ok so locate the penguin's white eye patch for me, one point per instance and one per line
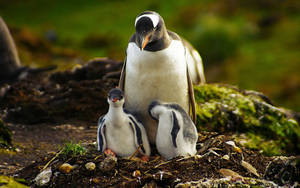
(153, 17)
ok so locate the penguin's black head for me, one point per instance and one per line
(151, 109)
(115, 97)
(150, 27)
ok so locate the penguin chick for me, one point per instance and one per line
(176, 133)
(119, 131)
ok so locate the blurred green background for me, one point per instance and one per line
(254, 44)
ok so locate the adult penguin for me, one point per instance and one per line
(159, 66)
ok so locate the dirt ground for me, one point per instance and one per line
(45, 112)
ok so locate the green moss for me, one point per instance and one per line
(5, 135)
(71, 149)
(226, 109)
(6, 181)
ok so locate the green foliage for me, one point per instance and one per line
(266, 127)
(215, 45)
(7, 182)
(71, 149)
(5, 135)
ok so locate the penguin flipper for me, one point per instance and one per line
(192, 102)
(175, 129)
(101, 134)
(141, 138)
(122, 77)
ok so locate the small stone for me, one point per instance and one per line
(18, 150)
(108, 163)
(44, 177)
(65, 168)
(136, 173)
(90, 166)
(226, 157)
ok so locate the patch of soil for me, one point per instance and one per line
(36, 141)
(136, 173)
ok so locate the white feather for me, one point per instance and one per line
(153, 17)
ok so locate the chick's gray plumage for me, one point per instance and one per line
(119, 130)
(176, 135)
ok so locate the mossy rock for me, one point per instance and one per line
(5, 135)
(258, 124)
(6, 181)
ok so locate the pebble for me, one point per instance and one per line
(90, 166)
(226, 157)
(136, 173)
(65, 168)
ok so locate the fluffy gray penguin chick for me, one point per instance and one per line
(176, 133)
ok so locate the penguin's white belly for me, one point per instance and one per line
(120, 140)
(157, 75)
(164, 143)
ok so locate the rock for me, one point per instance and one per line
(263, 126)
(225, 182)
(65, 168)
(108, 164)
(44, 177)
(90, 166)
(283, 170)
(226, 157)
(136, 173)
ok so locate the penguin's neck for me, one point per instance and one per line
(116, 114)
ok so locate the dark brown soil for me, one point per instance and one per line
(162, 172)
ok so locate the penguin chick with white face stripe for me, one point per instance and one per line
(119, 131)
(159, 65)
(176, 134)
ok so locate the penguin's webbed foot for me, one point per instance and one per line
(145, 158)
(109, 152)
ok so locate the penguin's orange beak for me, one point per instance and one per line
(145, 41)
(114, 100)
